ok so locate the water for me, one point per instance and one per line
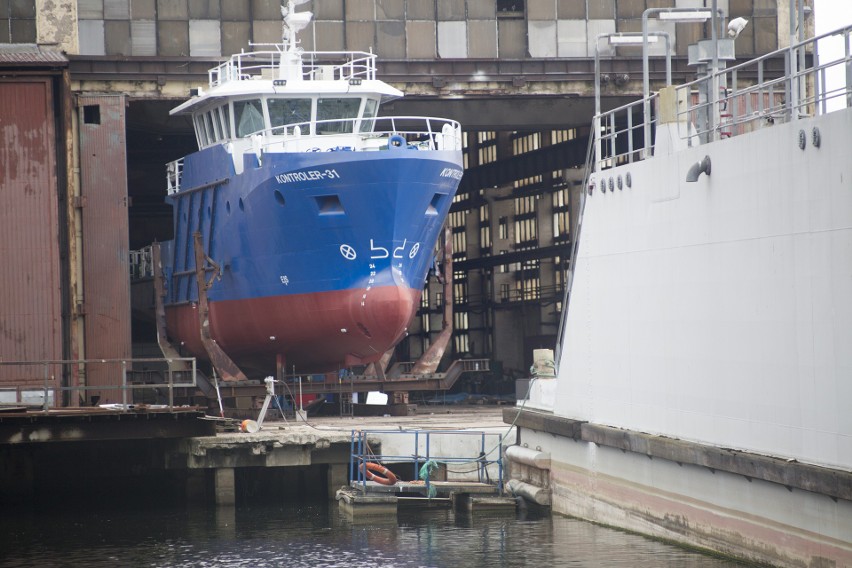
(316, 535)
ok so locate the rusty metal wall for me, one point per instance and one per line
(106, 272)
(30, 277)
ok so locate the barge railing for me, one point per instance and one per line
(751, 96)
(423, 444)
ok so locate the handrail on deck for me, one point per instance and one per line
(750, 97)
(316, 65)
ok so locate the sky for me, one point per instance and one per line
(831, 15)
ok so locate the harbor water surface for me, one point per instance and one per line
(316, 535)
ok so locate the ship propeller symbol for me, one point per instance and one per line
(348, 252)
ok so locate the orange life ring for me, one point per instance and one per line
(385, 476)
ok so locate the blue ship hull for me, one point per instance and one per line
(323, 255)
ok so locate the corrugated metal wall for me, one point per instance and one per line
(106, 273)
(30, 301)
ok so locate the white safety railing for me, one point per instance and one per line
(141, 263)
(414, 132)
(316, 65)
(751, 95)
(174, 173)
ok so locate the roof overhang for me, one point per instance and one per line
(29, 55)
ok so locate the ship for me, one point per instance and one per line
(701, 385)
(305, 224)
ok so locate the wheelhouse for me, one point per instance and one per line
(230, 119)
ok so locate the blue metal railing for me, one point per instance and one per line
(422, 445)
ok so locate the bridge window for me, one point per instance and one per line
(371, 107)
(226, 120)
(249, 117)
(288, 111)
(200, 131)
(339, 112)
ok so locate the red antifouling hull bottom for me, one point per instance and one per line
(314, 332)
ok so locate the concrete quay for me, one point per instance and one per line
(323, 445)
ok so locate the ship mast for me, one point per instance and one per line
(293, 23)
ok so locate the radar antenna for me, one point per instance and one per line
(293, 23)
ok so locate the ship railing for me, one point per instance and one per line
(174, 173)
(476, 455)
(752, 95)
(55, 384)
(414, 132)
(810, 86)
(141, 263)
(619, 135)
(315, 65)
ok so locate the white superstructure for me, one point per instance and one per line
(706, 357)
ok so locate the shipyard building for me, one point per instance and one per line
(85, 90)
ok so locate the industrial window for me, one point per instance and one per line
(458, 219)
(484, 214)
(560, 224)
(510, 8)
(92, 114)
(487, 154)
(561, 198)
(524, 182)
(525, 205)
(503, 228)
(459, 287)
(425, 323)
(18, 22)
(523, 143)
(424, 299)
(504, 292)
(460, 321)
(459, 243)
(487, 140)
(525, 231)
(558, 136)
(529, 288)
(461, 342)
(485, 238)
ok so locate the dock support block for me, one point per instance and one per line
(225, 486)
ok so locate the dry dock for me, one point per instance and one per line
(287, 459)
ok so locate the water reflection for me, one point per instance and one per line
(317, 536)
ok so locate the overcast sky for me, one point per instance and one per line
(832, 14)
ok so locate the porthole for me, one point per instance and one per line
(228, 207)
(279, 197)
(241, 204)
